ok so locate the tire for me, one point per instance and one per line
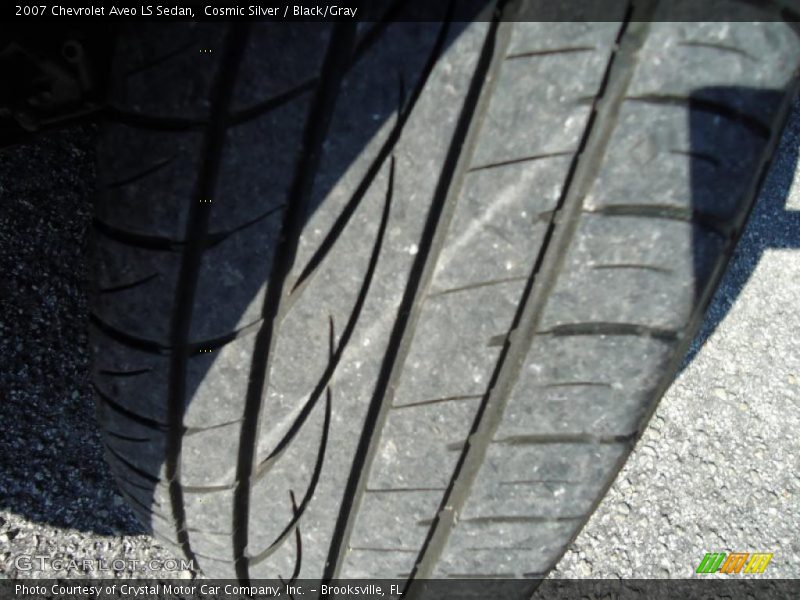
(398, 300)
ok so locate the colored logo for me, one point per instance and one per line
(736, 562)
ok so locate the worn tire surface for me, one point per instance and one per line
(396, 300)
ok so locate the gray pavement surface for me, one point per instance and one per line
(718, 469)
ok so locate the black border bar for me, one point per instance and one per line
(378, 589)
(87, 11)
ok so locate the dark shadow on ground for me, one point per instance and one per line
(770, 225)
(52, 468)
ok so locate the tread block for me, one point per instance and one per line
(230, 284)
(417, 445)
(209, 511)
(497, 228)
(212, 567)
(285, 560)
(403, 506)
(665, 262)
(501, 549)
(201, 468)
(142, 394)
(372, 87)
(146, 179)
(538, 111)
(460, 326)
(540, 480)
(183, 79)
(672, 62)
(157, 499)
(219, 544)
(136, 309)
(661, 156)
(292, 472)
(266, 53)
(533, 37)
(362, 563)
(144, 459)
(217, 383)
(305, 333)
(258, 165)
(611, 407)
(522, 121)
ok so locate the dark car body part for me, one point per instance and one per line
(51, 75)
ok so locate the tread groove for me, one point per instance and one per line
(385, 151)
(402, 490)
(118, 408)
(214, 239)
(298, 562)
(368, 549)
(451, 177)
(498, 341)
(337, 57)
(195, 430)
(556, 51)
(654, 268)
(145, 488)
(596, 133)
(137, 240)
(755, 125)
(141, 174)
(265, 106)
(437, 401)
(137, 343)
(565, 438)
(540, 482)
(524, 159)
(160, 59)
(335, 355)
(312, 485)
(148, 510)
(164, 244)
(205, 489)
(196, 348)
(474, 286)
(561, 384)
(152, 122)
(703, 156)
(500, 519)
(656, 211)
(716, 46)
(126, 438)
(127, 286)
(140, 472)
(607, 328)
(131, 373)
(220, 96)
